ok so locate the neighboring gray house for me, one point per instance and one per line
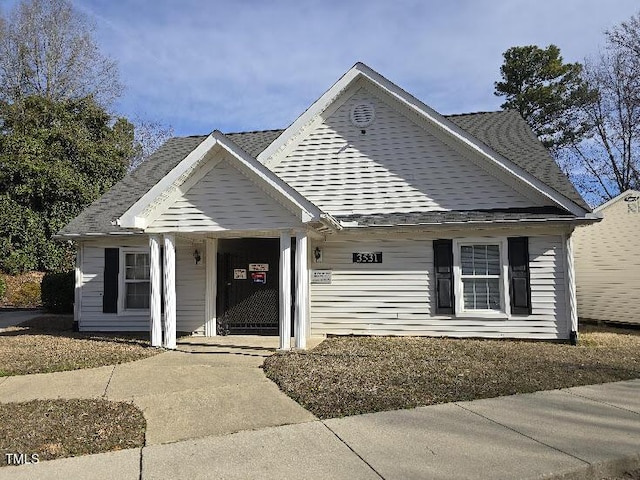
(370, 214)
(608, 262)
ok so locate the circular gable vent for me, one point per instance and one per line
(363, 114)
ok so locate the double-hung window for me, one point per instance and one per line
(480, 269)
(486, 277)
(136, 280)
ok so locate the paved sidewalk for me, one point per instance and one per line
(577, 433)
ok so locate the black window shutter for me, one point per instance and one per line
(443, 262)
(111, 269)
(519, 279)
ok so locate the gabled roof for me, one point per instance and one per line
(99, 217)
(504, 131)
(136, 215)
(502, 137)
(616, 199)
(360, 71)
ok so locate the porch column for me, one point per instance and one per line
(169, 291)
(155, 314)
(285, 291)
(211, 285)
(302, 291)
(77, 292)
(571, 281)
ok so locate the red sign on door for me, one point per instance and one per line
(259, 277)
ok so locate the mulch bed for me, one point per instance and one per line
(65, 428)
(48, 344)
(353, 375)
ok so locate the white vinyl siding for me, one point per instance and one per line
(190, 281)
(396, 166)
(607, 262)
(397, 297)
(224, 199)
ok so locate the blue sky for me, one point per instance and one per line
(250, 65)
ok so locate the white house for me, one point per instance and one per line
(607, 257)
(370, 214)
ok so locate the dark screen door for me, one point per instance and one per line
(248, 276)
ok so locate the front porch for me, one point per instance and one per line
(287, 297)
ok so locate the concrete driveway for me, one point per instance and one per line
(209, 386)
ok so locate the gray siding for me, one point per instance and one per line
(396, 297)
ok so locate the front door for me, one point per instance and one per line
(248, 277)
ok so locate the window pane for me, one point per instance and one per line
(466, 259)
(493, 260)
(136, 266)
(481, 293)
(137, 296)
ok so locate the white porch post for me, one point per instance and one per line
(302, 291)
(77, 293)
(155, 314)
(211, 285)
(169, 291)
(571, 280)
(285, 291)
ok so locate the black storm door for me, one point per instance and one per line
(248, 276)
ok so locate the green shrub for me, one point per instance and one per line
(58, 292)
(3, 288)
(27, 295)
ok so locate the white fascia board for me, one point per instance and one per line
(308, 209)
(132, 217)
(615, 200)
(361, 70)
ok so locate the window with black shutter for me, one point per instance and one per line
(519, 279)
(111, 271)
(443, 263)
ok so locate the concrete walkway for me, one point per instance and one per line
(209, 386)
(577, 433)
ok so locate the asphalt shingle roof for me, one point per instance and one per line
(505, 132)
(463, 216)
(508, 134)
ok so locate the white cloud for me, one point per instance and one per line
(236, 65)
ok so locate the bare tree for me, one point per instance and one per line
(607, 161)
(47, 49)
(149, 136)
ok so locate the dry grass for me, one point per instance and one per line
(48, 344)
(65, 428)
(353, 375)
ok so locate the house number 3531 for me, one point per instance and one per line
(367, 257)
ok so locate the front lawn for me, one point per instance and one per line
(52, 429)
(48, 344)
(353, 375)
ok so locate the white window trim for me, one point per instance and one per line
(122, 284)
(505, 300)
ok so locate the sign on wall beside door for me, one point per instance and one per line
(322, 277)
(239, 274)
(258, 267)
